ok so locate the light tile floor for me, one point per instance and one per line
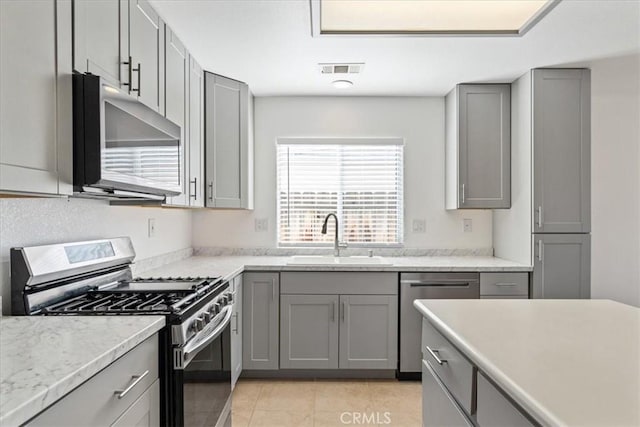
(320, 403)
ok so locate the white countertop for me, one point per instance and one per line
(42, 358)
(566, 362)
(229, 266)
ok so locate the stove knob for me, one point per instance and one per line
(207, 317)
(230, 297)
(212, 310)
(198, 324)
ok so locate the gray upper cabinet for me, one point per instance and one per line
(96, 26)
(561, 150)
(146, 49)
(260, 319)
(309, 331)
(196, 134)
(368, 331)
(561, 267)
(478, 146)
(228, 143)
(36, 105)
(176, 87)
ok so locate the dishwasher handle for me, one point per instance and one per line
(440, 284)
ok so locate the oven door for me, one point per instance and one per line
(203, 385)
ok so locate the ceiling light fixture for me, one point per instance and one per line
(342, 84)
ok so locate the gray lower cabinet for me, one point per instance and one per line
(236, 331)
(36, 105)
(228, 143)
(494, 409)
(96, 27)
(146, 49)
(368, 331)
(561, 150)
(124, 393)
(478, 146)
(504, 285)
(309, 331)
(561, 266)
(260, 318)
(439, 408)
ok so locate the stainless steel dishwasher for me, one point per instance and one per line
(415, 286)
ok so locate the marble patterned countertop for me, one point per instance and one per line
(230, 266)
(566, 362)
(42, 358)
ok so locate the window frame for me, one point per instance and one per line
(397, 141)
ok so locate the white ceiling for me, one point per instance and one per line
(268, 44)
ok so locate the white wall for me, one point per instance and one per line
(35, 221)
(419, 120)
(615, 179)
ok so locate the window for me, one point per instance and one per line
(360, 180)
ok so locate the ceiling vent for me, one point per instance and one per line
(355, 68)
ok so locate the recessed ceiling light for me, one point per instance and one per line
(342, 84)
(411, 17)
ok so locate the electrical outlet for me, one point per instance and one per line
(261, 224)
(467, 225)
(151, 227)
(419, 226)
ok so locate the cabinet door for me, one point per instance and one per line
(226, 140)
(236, 333)
(96, 25)
(196, 134)
(146, 47)
(176, 72)
(368, 331)
(561, 151)
(260, 308)
(561, 267)
(438, 407)
(309, 331)
(145, 412)
(484, 146)
(494, 409)
(35, 106)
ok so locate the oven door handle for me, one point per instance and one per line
(190, 351)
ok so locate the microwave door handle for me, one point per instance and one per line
(190, 352)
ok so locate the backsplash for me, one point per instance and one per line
(221, 251)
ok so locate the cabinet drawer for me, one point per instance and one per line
(438, 407)
(494, 409)
(453, 369)
(95, 403)
(329, 283)
(504, 284)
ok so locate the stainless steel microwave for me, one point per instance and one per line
(122, 149)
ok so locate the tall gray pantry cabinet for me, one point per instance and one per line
(561, 220)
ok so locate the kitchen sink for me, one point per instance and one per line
(332, 260)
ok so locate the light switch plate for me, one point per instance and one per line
(261, 224)
(467, 225)
(419, 226)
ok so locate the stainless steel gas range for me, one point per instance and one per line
(95, 278)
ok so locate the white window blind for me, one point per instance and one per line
(361, 182)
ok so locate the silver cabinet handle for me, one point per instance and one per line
(434, 354)
(273, 289)
(195, 188)
(333, 311)
(343, 310)
(539, 211)
(506, 284)
(463, 194)
(211, 190)
(235, 315)
(540, 250)
(136, 379)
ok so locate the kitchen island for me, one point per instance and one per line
(538, 362)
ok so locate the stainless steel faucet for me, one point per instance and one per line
(336, 244)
